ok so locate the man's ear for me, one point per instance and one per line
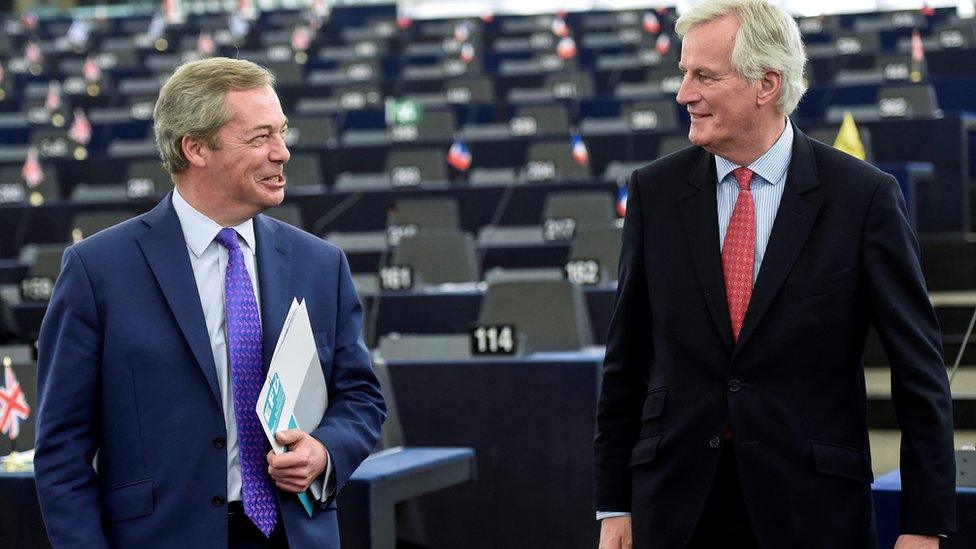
(770, 85)
(195, 150)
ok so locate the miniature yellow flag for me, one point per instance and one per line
(848, 138)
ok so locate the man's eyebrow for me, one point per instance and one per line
(268, 127)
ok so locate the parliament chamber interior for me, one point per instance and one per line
(472, 165)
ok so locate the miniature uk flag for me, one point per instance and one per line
(13, 404)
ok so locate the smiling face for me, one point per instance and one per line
(724, 107)
(244, 175)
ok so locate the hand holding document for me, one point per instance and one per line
(294, 395)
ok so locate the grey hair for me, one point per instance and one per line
(768, 40)
(192, 104)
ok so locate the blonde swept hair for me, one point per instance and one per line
(192, 103)
(768, 40)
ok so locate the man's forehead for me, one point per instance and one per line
(255, 107)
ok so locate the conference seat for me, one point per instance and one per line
(585, 208)
(417, 168)
(601, 245)
(553, 161)
(311, 132)
(438, 257)
(547, 313)
(14, 190)
(146, 178)
(86, 224)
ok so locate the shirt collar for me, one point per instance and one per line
(770, 166)
(200, 231)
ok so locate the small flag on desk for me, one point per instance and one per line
(651, 24)
(559, 27)
(622, 201)
(32, 172)
(462, 31)
(467, 53)
(663, 44)
(458, 156)
(13, 404)
(566, 48)
(918, 57)
(205, 44)
(580, 154)
(52, 101)
(81, 129)
(90, 70)
(849, 138)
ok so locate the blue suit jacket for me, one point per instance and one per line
(125, 371)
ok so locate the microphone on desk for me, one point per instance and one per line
(374, 306)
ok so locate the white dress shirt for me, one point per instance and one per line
(208, 259)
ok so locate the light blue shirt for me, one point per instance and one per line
(766, 188)
(208, 259)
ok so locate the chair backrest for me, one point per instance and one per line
(304, 170)
(584, 207)
(565, 324)
(672, 143)
(310, 131)
(438, 257)
(553, 161)
(599, 244)
(86, 224)
(288, 213)
(47, 189)
(437, 124)
(548, 119)
(146, 178)
(656, 115)
(907, 101)
(469, 90)
(44, 259)
(428, 213)
(412, 167)
(570, 85)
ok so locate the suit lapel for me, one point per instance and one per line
(699, 215)
(274, 270)
(164, 247)
(794, 219)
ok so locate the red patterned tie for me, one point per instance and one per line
(739, 252)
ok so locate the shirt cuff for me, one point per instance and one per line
(600, 515)
(324, 485)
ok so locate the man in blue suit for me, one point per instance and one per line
(158, 337)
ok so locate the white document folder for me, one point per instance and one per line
(294, 395)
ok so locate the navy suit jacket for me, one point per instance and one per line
(130, 427)
(841, 256)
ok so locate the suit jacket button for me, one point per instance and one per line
(218, 442)
(714, 442)
(218, 501)
(734, 385)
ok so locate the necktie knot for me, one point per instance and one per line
(743, 176)
(228, 239)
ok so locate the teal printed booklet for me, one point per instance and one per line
(294, 395)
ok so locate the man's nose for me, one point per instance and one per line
(279, 151)
(687, 93)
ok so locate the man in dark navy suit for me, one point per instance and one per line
(733, 408)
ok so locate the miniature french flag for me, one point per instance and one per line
(580, 154)
(566, 48)
(458, 156)
(622, 201)
(651, 24)
(467, 53)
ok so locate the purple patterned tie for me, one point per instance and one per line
(247, 377)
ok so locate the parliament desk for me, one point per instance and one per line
(887, 498)
(366, 504)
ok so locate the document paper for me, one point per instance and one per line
(294, 395)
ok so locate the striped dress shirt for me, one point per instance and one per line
(767, 190)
